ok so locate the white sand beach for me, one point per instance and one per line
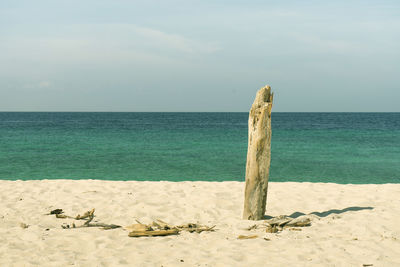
(353, 225)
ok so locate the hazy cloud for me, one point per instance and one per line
(36, 85)
(174, 41)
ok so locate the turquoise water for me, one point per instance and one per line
(315, 147)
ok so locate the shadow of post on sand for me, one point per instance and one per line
(296, 214)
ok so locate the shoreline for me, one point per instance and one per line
(190, 181)
(352, 224)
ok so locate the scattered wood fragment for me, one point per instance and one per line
(88, 216)
(138, 227)
(23, 225)
(301, 221)
(294, 229)
(56, 211)
(162, 225)
(279, 223)
(154, 233)
(247, 236)
(103, 226)
(273, 229)
(161, 228)
(193, 227)
(157, 228)
(254, 226)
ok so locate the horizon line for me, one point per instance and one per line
(21, 111)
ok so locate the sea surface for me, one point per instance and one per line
(315, 147)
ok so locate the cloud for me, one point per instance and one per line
(104, 44)
(44, 84)
(120, 35)
(174, 41)
(328, 45)
(38, 85)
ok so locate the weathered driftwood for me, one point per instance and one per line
(56, 211)
(294, 229)
(284, 222)
(273, 229)
(161, 228)
(162, 225)
(247, 236)
(279, 221)
(157, 228)
(138, 227)
(299, 222)
(103, 226)
(192, 227)
(59, 214)
(88, 216)
(252, 227)
(154, 233)
(258, 155)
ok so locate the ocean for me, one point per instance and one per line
(357, 148)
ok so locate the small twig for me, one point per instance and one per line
(88, 216)
(154, 233)
(56, 211)
(103, 226)
(247, 236)
(90, 219)
(85, 215)
(192, 227)
(254, 226)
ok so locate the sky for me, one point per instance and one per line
(208, 56)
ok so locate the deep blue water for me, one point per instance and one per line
(315, 147)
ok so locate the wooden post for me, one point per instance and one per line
(258, 155)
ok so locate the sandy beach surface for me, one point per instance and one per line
(352, 225)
